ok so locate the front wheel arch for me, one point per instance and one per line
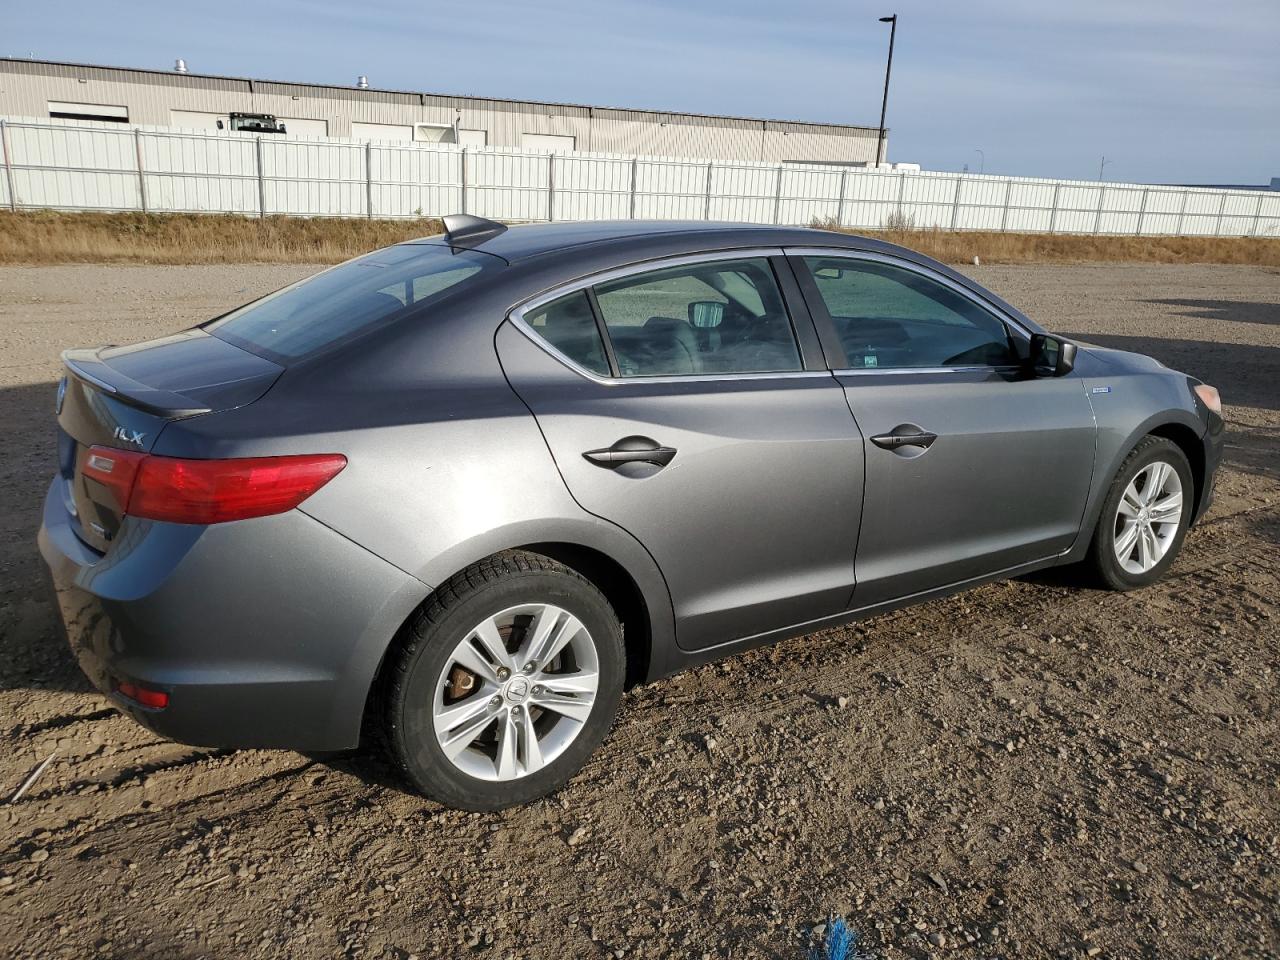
(1189, 443)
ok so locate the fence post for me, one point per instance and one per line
(1182, 210)
(1257, 216)
(142, 178)
(368, 179)
(1217, 229)
(777, 198)
(1053, 209)
(844, 182)
(462, 200)
(1097, 219)
(706, 209)
(551, 188)
(902, 185)
(1004, 215)
(955, 203)
(634, 165)
(8, 165)
(1142, 211)
(262, 190)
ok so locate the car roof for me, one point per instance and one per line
(536, 239)
(565, 243)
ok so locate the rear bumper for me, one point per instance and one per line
(264, 632)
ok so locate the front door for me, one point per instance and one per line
(971, 466)
(679, 405)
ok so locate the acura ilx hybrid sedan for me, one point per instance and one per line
(453, 495)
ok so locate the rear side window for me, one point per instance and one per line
(569, 325)
(699, 319)
(887, 316)
(350, 299)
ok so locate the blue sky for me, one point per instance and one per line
(1171, 91)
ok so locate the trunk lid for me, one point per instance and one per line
(122, 397)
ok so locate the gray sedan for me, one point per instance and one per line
(453, 496)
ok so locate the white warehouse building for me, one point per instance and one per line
(43, 89)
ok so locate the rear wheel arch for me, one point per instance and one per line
(618, 585)
(621, 590)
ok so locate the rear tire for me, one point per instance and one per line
(503, 684)
(1144, 518)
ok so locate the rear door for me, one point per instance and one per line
(971, 466)
(682, 402)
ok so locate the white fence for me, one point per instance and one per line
(65, 165)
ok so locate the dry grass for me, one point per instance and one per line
(49, 237)
(993, 247)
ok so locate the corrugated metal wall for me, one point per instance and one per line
(152, 96)
(70, 165)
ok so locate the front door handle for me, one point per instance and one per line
(632, 450)
(915, 438)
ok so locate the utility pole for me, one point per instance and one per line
(1102, 166)
(884, 104)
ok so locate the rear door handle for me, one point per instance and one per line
(891, 441)
(631, 450)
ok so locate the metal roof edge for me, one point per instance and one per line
(356, 91)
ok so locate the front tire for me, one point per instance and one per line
(503, 684)
(1145, 516)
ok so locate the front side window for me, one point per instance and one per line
(711, 318)
(888, 316)
(349, 299)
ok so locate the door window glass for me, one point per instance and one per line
(569, 325)
(887, 316)
(703, 318)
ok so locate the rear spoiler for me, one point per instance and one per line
(84, 365)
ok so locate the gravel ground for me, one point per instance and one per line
(1029, 769)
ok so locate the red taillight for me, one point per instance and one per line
(143, 696)
(213, 491)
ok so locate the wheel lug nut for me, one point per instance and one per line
(537, 690)
(503, 673)
(495, 701)
(530, 667)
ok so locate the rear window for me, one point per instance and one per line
(350, 299)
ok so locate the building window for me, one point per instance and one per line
(61, 110)
(433, 133)
(554, 143)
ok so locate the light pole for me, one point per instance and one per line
(982, 160)
(884, 104)
(1102, 166)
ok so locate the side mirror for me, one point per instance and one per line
(1051, 356)
(706, 314)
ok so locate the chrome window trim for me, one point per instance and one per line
(851, 254)
(886, 371)
(517, 317)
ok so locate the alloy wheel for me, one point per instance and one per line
(1148, 517)
(515, 692)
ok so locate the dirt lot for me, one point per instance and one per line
(1029, 769)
